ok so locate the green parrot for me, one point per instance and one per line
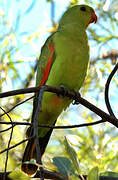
(63, 62)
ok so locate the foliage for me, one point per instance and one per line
(18, 175)
(94, 146)
(93, 174)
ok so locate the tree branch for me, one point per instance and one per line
(107, 91)
(35, 131)
(16, 106)
(57, 176)
(11, 147)
(113, 55)
(49, 126)
(70, 94)
(7, 152)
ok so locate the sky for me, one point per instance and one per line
(31, 21)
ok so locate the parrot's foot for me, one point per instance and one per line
(64, 91)
(29, 167)
(77, 96)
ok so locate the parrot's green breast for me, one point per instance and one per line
(72, 56)
(69, 69)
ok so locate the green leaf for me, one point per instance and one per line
(72, 154)
(93, 174)
(109, 173)
(64, 165)
(19, 175)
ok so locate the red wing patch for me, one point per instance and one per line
(47, 69)
(56, 100)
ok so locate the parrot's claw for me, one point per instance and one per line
(64, 91)
(77, 96)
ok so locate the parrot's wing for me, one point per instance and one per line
(46, 60)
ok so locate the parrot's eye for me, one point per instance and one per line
(83, 8)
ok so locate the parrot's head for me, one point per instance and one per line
(80, 15)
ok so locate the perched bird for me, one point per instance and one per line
(63, 61)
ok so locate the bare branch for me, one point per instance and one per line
(4, 177)
(35, 130)
(15, 145)
(113, 55)
(53, 127)
(16, 123)
(7, 128)
(107, 91)
(57, 176)
(70, 94)
(16, 106)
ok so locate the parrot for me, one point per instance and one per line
(63, 62)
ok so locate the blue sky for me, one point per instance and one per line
(33, 21)
(38, 19)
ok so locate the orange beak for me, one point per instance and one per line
(93, 18)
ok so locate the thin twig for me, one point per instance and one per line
(16, 106)
(8, 152)
(8, 143)
(72, 126)
(107, 91)
(4, 130)
(16, 123)
(55, 127)
(35, 130)
(99, 112)
(11, 147)
(19, 91)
